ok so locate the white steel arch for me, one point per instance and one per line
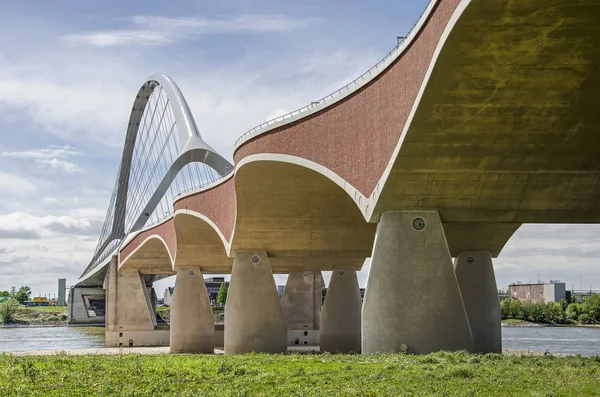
(162, 139)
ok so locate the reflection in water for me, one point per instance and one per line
(556, 340)
(54, 338)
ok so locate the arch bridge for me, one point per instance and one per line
(483, 118)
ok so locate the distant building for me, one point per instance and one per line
(213, 284)
(62, 291)
(538, 292)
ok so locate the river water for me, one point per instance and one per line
(556, 340)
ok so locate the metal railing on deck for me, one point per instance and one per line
(348, 88)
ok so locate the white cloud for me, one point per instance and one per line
(49, 157)
(26, 224)
(159, 30)
(10, 183)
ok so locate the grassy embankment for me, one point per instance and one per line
(40, 315)
(447, 374)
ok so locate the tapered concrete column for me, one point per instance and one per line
(192, 323)
(340, 318)
(412, 301)
(477, 282)
(254, 320)
(301, 301)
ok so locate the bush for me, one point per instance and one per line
(8, 311)
(573, 311)
(505, 308)
(591, 306)
(585, 319)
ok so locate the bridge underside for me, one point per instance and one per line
(507, 130)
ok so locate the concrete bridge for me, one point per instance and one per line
(484, 118)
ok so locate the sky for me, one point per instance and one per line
(69, 72)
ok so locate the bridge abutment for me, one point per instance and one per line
(340, 318)
(413, 302)
(477, 283)
(301, 304)
(192, 322)
(254, 320)
(130, 320)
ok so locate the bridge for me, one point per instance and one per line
(484, 117)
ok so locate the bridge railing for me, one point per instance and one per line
(348, 88)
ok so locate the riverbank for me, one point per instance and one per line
(35, 324)
(298, 374)
(39, 317)
(525, 324)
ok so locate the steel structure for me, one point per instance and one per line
(164, 155)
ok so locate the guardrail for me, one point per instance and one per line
(347, 89)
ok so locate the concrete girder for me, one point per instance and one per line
(292, 211)
(505, 130)
(199, 244)
(151, 256)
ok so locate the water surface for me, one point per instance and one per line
(556, 340)
(52, 338)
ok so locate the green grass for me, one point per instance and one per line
(50, 309)
(38, 314)
(440, 374)
(514, 321)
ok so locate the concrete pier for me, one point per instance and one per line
(340, 318)
(301, 304)
(254, 320)
(477, 283)
(413, 302)
(192, 323)
(130, 320)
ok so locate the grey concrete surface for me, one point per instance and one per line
(413, 302)
(130, 321)
(301, 301)
(477, 283)
(78, 313)
(192, 323)
(340, 318)
(254, 319)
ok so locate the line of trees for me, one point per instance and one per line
(20, 295)
(563, 312)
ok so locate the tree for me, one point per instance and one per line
(222, 295)
(591, 307)
(573, 311)
(8, 310)
(4, 293)
(23, 294)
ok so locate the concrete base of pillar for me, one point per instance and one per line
(301, 301)
(157, 337)
(192, 322)
(340, 318)
(254, 319)
(412, 301)
(477, 282)
(300, 337)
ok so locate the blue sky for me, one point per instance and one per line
(69, 71)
